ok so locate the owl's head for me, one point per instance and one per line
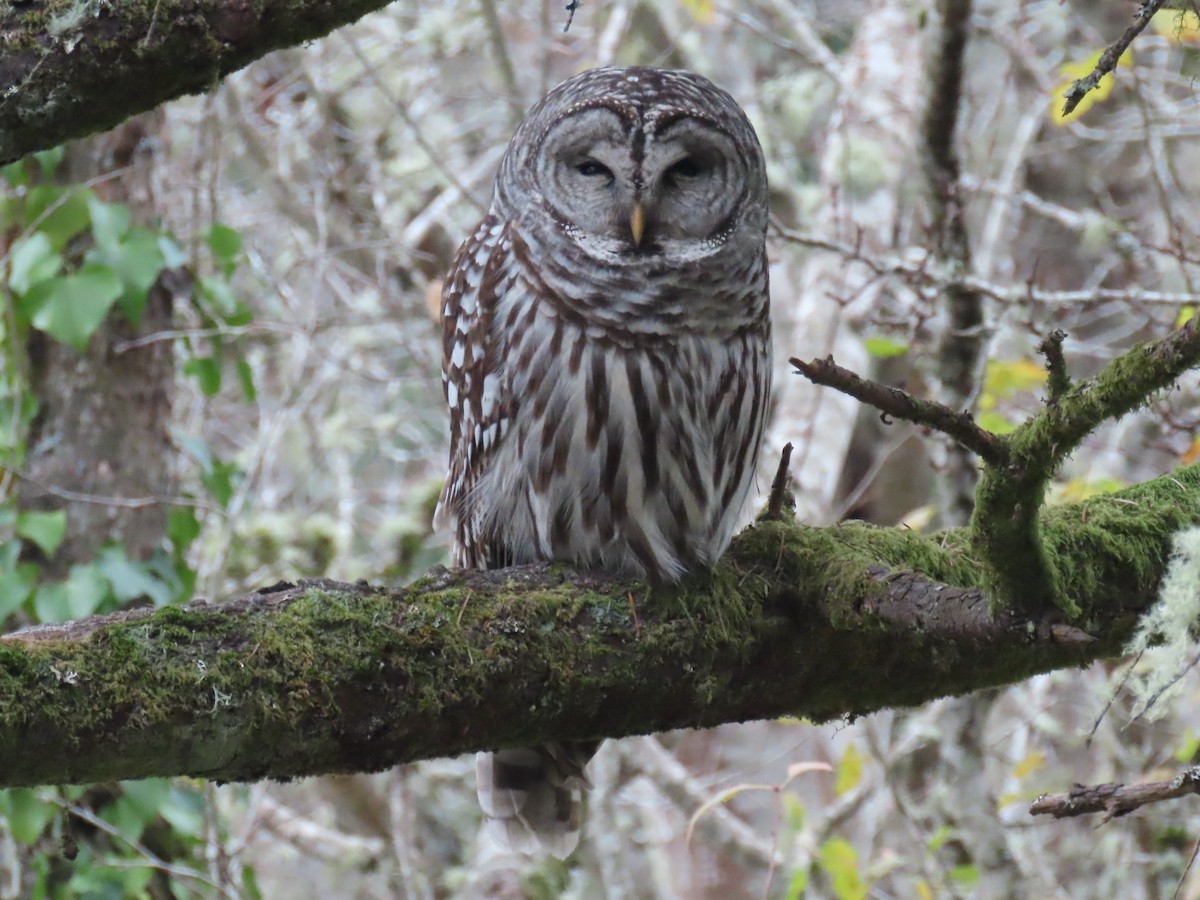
(638, 161)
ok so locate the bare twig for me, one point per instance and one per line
(571, 8)
(1111, 56)
(922, 272)
(902, 405)
(1115, 799)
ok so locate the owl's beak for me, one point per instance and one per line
(637, 222)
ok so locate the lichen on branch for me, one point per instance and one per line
(324, 677)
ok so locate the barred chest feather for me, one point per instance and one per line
(630, 453)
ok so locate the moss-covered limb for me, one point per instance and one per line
(1009, 498)
(73, 67)
(321, 677)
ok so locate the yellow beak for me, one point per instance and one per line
(637, 222)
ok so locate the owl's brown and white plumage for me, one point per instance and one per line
(606, 361)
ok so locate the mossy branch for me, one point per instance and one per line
(71, 68)
(1004, 531)
(1009, 498)
(325, 677)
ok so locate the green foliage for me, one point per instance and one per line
(75, 264)
(839, 861)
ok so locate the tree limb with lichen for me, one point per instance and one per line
(71, 68)
(324, 677)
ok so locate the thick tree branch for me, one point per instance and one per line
(321, 677)
(70, 68)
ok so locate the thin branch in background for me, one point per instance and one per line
(436, 157)
(491, 20)
(1059, 382)
(148, 858)
(1114, 799)
(924, 273)
(901, 405)
(571, 8)
(1111, 56)
(957, 364)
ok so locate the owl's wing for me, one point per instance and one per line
(474, 381)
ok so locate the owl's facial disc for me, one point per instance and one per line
(638, 185)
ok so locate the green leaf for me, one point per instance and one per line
(995, 423)
(48, 160)
(110, 222)
(207, 371)
(46, 529)
(797, 885)
(222, 303)
(884, 348)
(840, 862)
(182, 527)
(62, 221)
(246, 379)
(184, 811)
(15, 416)
(32, 260)
(225, 242)
(16, 585)
(72, 307)
(137, 260)
(28, 816)
(849, 770)
(220, 481)
(80, 595)
(15, 174)
(966, 874)
(173, 255)
(130, 580)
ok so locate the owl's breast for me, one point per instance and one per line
(614, 454)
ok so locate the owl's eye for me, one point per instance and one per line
(688, 167)
(589, 168)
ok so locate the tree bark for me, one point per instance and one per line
(70, 69)
(326, 677)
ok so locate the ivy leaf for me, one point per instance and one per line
(226, 245)
(33, 260)
(16, 584)
(137, 260)
(27, 815)
(130, 580)
(65, 210)
(207, 371)
(110, 221)
(46, 529)
(70, 309)
(182, 527)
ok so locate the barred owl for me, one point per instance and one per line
(606, 339)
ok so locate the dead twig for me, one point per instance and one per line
(1115, 799)
(1112, 54)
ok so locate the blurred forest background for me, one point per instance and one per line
(261, 386)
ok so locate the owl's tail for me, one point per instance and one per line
(532, 797)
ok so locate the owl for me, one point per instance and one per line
(607, 344)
